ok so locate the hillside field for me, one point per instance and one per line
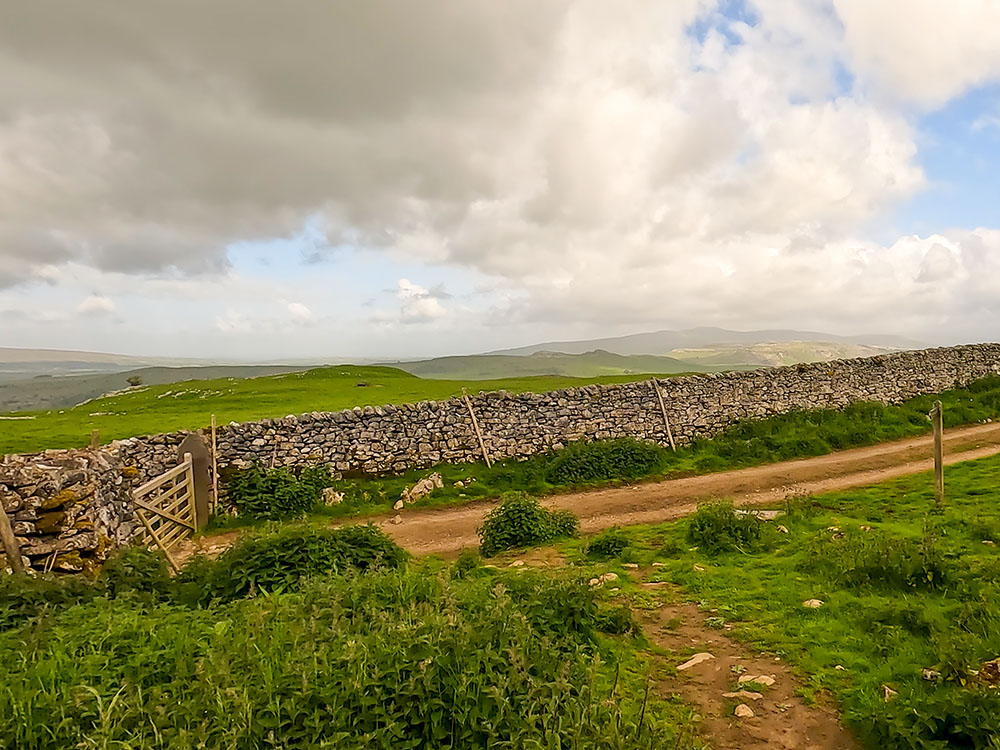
(189, 405)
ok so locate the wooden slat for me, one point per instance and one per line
(152, 484)
(156, 538)
(168, 516)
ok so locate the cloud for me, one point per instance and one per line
(649, 163)
(925, 51)
(299, 311)
(418, 304)
(96, 305)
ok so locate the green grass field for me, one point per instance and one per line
(905, 588)
(189, 405)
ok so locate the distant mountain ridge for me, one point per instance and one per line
(667, 341)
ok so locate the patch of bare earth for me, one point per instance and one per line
(771, 713)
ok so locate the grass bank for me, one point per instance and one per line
(353, 654)
(910, 599)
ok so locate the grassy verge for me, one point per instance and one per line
(911, 599)
(796, 435)
(417, 655)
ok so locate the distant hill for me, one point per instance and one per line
(16, 364)
(669, 343)
(585, 365)
(45, 392)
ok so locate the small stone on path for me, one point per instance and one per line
(744, 695)
(398, 505)
(396, 519)
(695, 661)
(760, 679)
(744, 711)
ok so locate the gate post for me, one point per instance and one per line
(195, 445)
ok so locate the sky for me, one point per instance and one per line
(259, 180)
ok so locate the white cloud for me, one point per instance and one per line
(95, 305)
(233, 321)
(418, 304)
(926, 51)
(299, 311)
(596, 164)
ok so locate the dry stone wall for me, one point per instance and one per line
(386, 439)
(68, 509)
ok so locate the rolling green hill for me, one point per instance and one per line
(585, 365)
(190, 404)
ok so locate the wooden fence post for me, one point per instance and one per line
(937, 418)
(195, 445)
(475, 424)
(10, 545)
(215, 472)
(663, 411)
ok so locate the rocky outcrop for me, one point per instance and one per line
(68, 509)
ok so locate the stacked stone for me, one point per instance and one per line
(392, 439)
(68, 509)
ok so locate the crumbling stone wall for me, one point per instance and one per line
(69, 509)
(385, 439)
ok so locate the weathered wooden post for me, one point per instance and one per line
(663, 411)
(475, 424)
(195, 445)
(937, 419)
(10, 545)
(215, 471)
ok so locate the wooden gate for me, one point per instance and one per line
(166, 508)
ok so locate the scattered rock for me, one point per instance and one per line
(743, 711)
(841, 667)
(332, 497)
(865, 528)
(812, 603)
(759, 679)
(990, 671)
(782, 529)
(695, 661)
(888, 693)
(603, 579)
(833, 528)
(744, 695)
(399, 505)
(517, 564)
(396, 519)
(931, 675)
(630, 566)
(422, 488)
(658, 564)
(460, 483)
(698, 568)
(988, 542)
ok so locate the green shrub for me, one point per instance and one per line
(278, 560)
(873, 559)
(938, 719)
(138, 570)
(273, 494)
(609, 544)
(623, 458)
(395, 658)
(521, 521)
(616, 620)
(717, 527)
(467, 562)
(25, 598)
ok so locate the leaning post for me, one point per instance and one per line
(937, 420)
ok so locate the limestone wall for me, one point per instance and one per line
(385, 439)
(69, 509)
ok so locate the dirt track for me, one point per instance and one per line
(446, 531)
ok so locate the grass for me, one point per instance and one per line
(904, 589)
(795, 435)
(189, 405)
(413, 657)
